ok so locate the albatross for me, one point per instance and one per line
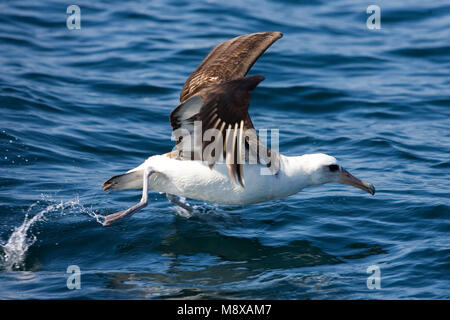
(218, 156)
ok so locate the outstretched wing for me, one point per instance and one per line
(217, 96)
(218, 115)
(227, 61)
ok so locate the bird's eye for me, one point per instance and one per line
(333, 167)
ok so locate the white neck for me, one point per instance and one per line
(302, 171)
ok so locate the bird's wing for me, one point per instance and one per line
(229, 60)
(217, 96)
(215, 124)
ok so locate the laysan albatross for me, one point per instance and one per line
(218, 157)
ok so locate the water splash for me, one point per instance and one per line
(183, 212)
(18, 243)
(13, 252)
(98, 217)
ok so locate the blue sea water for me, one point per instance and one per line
(79, 106)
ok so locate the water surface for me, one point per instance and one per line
(78, 106)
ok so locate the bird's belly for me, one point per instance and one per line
(195, 180)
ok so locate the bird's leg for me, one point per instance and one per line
(174, 199)
(109, 219)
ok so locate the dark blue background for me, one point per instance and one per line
(78, 106)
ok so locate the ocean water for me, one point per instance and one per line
(79, 106)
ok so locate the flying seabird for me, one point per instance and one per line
(218, 157)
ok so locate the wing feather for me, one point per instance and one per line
(228, 61)
(217, 95)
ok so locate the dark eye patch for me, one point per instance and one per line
(333, 167)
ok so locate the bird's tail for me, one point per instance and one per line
(129, 180)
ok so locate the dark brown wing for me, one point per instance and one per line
(224, 108)
(228, 61)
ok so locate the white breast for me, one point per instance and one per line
(195, 180)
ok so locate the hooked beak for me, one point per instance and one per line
(347, 178)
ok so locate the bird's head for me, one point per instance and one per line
(323, 169)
